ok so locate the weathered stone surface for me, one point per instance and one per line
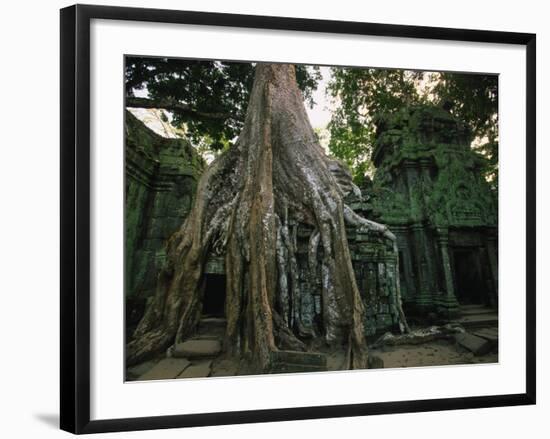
(296, 361)
(479, 321)
(138, 370)
(197, 348)
(429, 189)
(477, 316)
(161, 178)
(434, 353)
(225, 367)
(212, 326)
(476, 345)
(489, 334)
(166, 369)
(199, 369)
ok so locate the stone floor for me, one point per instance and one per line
(471, 339)
(479, 345)
(176, 368)
(198, 357)
(434, 353)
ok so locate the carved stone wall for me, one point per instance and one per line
(428, 187)
(161, 177)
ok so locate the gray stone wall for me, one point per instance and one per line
(429, 189)
(161, 175)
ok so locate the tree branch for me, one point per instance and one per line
(174, 106)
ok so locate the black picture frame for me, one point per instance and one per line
(75, 217)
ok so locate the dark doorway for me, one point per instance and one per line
(214, 295)
(470, 288)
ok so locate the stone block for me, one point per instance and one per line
(197, 349)
(166, 369)
(200, 369)
(489, 334)
(137, 371)
(473, 343)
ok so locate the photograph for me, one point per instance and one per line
(287, 218)
(275, 220)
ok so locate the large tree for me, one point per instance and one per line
(248, 200)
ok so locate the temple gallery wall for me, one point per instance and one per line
(427, 187)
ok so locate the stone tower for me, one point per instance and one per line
(428, 187)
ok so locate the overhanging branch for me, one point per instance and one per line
(173, 106)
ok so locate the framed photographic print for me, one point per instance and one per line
(288, 218)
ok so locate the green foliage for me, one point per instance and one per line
(363, 95)
(474, 100)
(206, 87)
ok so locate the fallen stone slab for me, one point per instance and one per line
(199, 348)
(200, 369)
(137, 371)
(166, 369)
(476, 345)
(490, 334)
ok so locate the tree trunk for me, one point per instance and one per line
(248, 204)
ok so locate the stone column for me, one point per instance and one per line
(412, 173)
(426, 178)
(424, 299)
(447, 305)
(408, 282)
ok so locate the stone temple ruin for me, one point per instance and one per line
(427, 188)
